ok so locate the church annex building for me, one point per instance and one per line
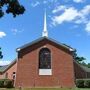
(44, 63)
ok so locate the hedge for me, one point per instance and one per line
(87, 83)
(83, 83)
(6, 83)
(1, 83)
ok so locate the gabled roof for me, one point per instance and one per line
(86, 69)
(45, 38)
(2, 68)
(6, 67)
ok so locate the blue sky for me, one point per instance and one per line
(68, 21)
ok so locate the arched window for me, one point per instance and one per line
(6, 75)
(45, 59)
(14, 75)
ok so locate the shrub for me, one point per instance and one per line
(87, 83)
(80, 83)
(6, 83)
(1, 83)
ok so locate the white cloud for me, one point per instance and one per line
(45, 2)
(78, 1)
(86, 10)
(88, 27)
(59, 8)
(71, 14)
(35, 4)
(83, 15)
(16, 31)
(2, 34)
(53, 0)
(50, 1)
(4, 63)
(68, 15)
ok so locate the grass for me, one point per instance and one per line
(47, 89)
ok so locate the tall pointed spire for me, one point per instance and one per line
(45, 32)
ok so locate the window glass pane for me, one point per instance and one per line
(45, 58)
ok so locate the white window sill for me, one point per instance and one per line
(45, 71)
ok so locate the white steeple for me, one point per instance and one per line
(45, 32)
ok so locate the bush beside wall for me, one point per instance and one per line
(80, 83)
(87, 83)
(1, 83)
(6, 83)
(83, 83)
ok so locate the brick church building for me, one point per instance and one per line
(44, 63)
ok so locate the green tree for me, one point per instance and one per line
(88, 65)
(13, 7)
(79, 59)
(1, 56)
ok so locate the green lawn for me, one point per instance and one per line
(45, 89)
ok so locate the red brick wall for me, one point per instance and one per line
(9, 71)
(62, 67)
(1, 76)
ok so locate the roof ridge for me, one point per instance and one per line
(9, 65)
(41, 38)
(81, 66)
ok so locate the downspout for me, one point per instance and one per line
(16, 66)
(73, 55)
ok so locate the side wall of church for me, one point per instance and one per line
(1, 76)
(80, 73)
(9, 73)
